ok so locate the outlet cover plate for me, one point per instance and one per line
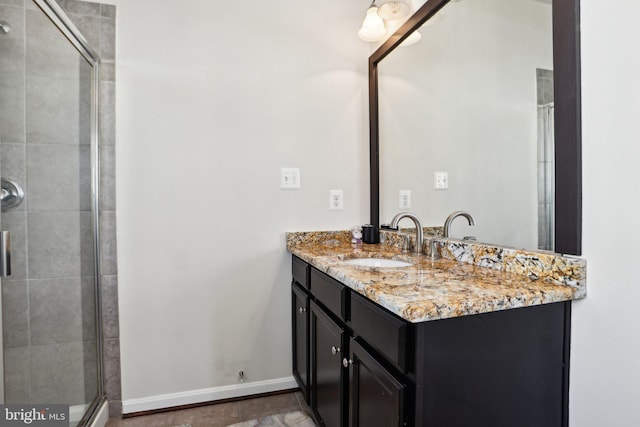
(405, 199)
(336, 200)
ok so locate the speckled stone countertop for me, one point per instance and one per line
(444, 288)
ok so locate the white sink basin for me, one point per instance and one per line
(377, 262)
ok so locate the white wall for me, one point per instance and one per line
(605, 359)
(212, 99)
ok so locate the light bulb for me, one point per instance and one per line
(373, 27)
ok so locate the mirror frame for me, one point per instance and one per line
(568, 120)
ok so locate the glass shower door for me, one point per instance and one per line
(48, 146)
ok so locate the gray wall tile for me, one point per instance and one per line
(107, 71)
(89, 27)
(57, 373)
(13, 2)
(90, 355)
(108, 249)
(53, 111)
(107, 178)
(13, 165)
(110, 312)
(59, 177)
(15, 314)
(12, 43)
(107, 11)
(88, 306)
(16, 223)
(113, 386)
(107, 113)
(108, 39)
(80, 7)
(49, 53)
(60, 244)
(12, 108)
(55, 310)
(115, 408)
(17, 375)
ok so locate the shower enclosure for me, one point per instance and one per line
(49, 165)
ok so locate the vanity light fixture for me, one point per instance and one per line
(372, 29)
(382, 21)
(393, 10)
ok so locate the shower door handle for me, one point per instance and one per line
(5, 254)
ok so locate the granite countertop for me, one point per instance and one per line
(431, 289)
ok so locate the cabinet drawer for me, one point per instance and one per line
(331, 293)
(383, 331)
(300, 271)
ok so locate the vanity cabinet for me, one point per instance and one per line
(367, 367)
(328, 385)
(376, 396)
(300, 329)
(300, 324)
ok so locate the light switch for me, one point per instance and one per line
(441, 180)
(289, 178)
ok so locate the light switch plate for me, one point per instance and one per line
(289, 178)
(441, 180)
(336, 201)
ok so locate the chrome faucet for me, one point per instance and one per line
(419, 233)
(450, 218)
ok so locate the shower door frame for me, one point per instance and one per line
(60, 19)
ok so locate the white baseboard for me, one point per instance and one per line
(206, 395)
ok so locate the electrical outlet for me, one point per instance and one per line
(289, 178)
(441, 180)
(405, 199)
(336, 200)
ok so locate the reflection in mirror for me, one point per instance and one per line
(474, 98)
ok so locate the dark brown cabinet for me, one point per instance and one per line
(300, 329)
(327, 372)
(359, 365)
(377, 397)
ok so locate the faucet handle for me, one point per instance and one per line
(406, 242)
(431, 247)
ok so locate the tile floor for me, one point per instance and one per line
(221, 414)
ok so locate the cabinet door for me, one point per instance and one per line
(377, 397)
(328, 379)
(300, 329)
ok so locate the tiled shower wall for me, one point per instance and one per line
(34, 148)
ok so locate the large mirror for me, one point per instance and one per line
(475, 99)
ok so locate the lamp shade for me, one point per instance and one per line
(373, 26)
(394, 10)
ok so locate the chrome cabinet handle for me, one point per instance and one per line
(5, 254)
(346, 362)
(335, 350)
(302, 310)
